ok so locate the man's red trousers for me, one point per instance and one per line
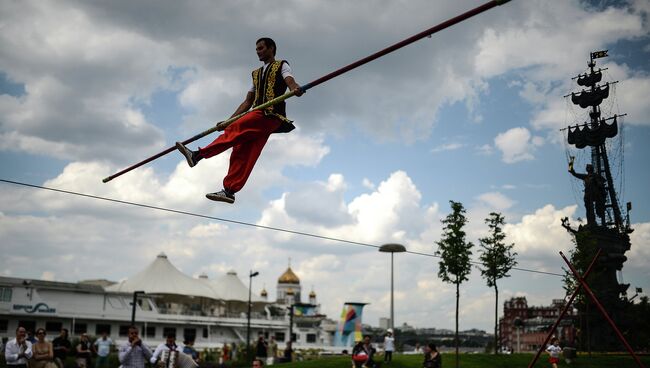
(247, 137)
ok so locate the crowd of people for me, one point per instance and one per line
(29, 351)
(26, 351)
(363, 353)
(268, 352)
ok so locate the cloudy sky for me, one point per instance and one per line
(471, 114)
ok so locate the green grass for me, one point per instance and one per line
(466, 361)
(483, 361)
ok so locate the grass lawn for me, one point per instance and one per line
(483, 361)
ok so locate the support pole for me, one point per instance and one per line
(567, 305)
(133, 305)
(291, 323)
(224, 124)
(602, 311)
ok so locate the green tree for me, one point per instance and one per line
(497, 259)
(454, 252)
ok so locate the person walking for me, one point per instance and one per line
(554, 351)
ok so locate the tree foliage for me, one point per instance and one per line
(497, 259)
(454, 252)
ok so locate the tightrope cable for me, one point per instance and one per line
(238, 222)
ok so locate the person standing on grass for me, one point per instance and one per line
(389, 346)
(133, 353)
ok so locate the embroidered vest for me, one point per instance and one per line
(268, 85)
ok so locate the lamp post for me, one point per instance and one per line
(392, 249)
(248, 317)
(135, 300)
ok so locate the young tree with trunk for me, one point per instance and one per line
(497, 259)
(454, 252)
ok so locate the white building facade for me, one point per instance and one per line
(210, 312)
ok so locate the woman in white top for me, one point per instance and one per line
(389, 345)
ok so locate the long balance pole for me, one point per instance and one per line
(224, 124)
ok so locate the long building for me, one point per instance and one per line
(210, 312)
(524, 328)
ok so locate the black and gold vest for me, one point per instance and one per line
(268, 85)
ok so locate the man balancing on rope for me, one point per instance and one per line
(248, 135)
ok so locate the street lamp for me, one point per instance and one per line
(135, 300)
(392, 249)
(248, 323)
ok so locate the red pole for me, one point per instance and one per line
(222, 125)
(564, 310)
(602, 310)
(408, 41)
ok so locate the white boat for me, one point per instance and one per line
(210, 312)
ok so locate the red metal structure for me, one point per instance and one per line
(583, 284)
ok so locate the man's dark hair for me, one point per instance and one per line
(268, 43)
(432, 346)
(259, 361)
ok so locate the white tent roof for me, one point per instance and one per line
(161, 277)
(230, 288)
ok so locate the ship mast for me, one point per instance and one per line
(594, 134)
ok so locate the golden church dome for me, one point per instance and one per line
(288, 277)
(312, 294)
(264, 293)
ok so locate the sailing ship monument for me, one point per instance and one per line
(599, 141)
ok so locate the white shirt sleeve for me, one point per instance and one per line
(156, 353)
(286, 70)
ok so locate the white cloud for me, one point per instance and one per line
(496, 200)
(541, 233)
(447, 147)
(544, 37)
(484, 150)
(517, 144)
(368, 184)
